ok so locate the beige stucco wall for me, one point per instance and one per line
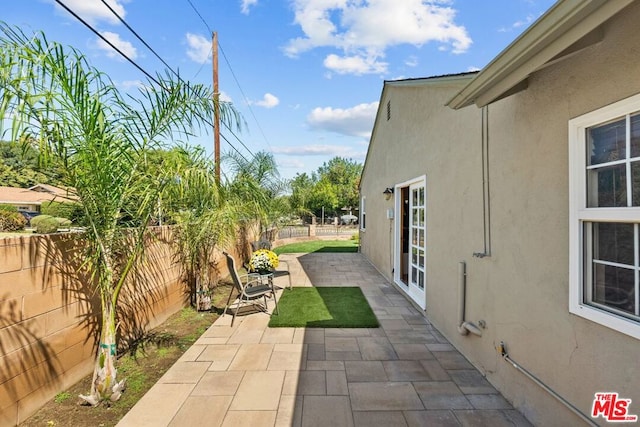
(47, 331)
(521, 291)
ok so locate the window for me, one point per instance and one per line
(604, 156)
(363, 214)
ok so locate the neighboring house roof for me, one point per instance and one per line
(35, 195)
(66, 193)
(568, 27)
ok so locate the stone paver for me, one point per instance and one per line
(404, 373)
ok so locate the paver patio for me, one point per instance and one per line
(404, 373)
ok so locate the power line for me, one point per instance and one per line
(136, 65)
(139, 37)
(246, 100)
(97, 33)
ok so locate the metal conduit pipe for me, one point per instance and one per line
(503, 352)
(464, 327)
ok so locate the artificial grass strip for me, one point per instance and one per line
(323, 307)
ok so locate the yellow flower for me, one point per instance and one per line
(263, 259)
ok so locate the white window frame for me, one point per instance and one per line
(580, 213)
(363, 213)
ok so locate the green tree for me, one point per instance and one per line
(332, 187)
(257, 182)
(52, 95)
(344, 175)
(19, 166)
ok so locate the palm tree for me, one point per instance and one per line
(206, 216)
(51, 94)
(258, 182)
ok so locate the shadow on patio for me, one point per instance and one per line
(403, 373)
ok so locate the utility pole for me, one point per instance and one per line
(216, 107)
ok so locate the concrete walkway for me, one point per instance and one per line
(404, 373)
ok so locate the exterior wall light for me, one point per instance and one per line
(388, 192)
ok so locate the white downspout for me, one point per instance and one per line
(464, 327)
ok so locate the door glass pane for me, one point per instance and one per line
(614, 287)
(613, 242)
(414, 274)
(607, 143)
(421, 197)
(606, 187)
(421, 258)
(421, 279)
(422, 216)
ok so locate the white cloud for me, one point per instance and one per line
(114, 38)
(518, 24)
(224, 97)
(314, 150)
(411, 61)
(94, 11)
(130, 84)
(473, 68)
(355, 121)
(366, 29)
(268, 101)
(354, 65)
(199, 48)
(246, 5)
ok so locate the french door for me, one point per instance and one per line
(411, 239)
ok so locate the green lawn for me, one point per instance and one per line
(324, 307)
(318, 246)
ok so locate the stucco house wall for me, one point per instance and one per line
(521, 291)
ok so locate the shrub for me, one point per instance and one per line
(8, 208)
(69, 210)
(45, 224)
(36, 220)
(11, 221)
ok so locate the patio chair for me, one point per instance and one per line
(250, 289)
(265, 244)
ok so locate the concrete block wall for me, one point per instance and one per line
(47, 331)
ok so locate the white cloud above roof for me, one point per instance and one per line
(365, 30)
(354, 121)
(95, 11)
(268, 101)
(199, 48)
(245, 5)
(114, 38)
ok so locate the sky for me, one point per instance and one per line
(306, 75)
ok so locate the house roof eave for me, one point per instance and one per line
(558, 29)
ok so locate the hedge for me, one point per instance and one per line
(11, 221)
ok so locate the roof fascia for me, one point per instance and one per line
(557, 30)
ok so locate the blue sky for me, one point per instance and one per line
(306, 75)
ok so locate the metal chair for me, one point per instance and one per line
(250, 288)
(265, 244)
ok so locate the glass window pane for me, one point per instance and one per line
(613, 242)
(421, 197)
(607, 142)
(606, 187)
(635, 135)
(421, 279)
(421, 258)
(635, 178)
(414, 275)
(422, 217)
(614, 287)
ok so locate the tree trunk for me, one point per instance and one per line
(104, 385)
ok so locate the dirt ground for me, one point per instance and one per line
(142, 368)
